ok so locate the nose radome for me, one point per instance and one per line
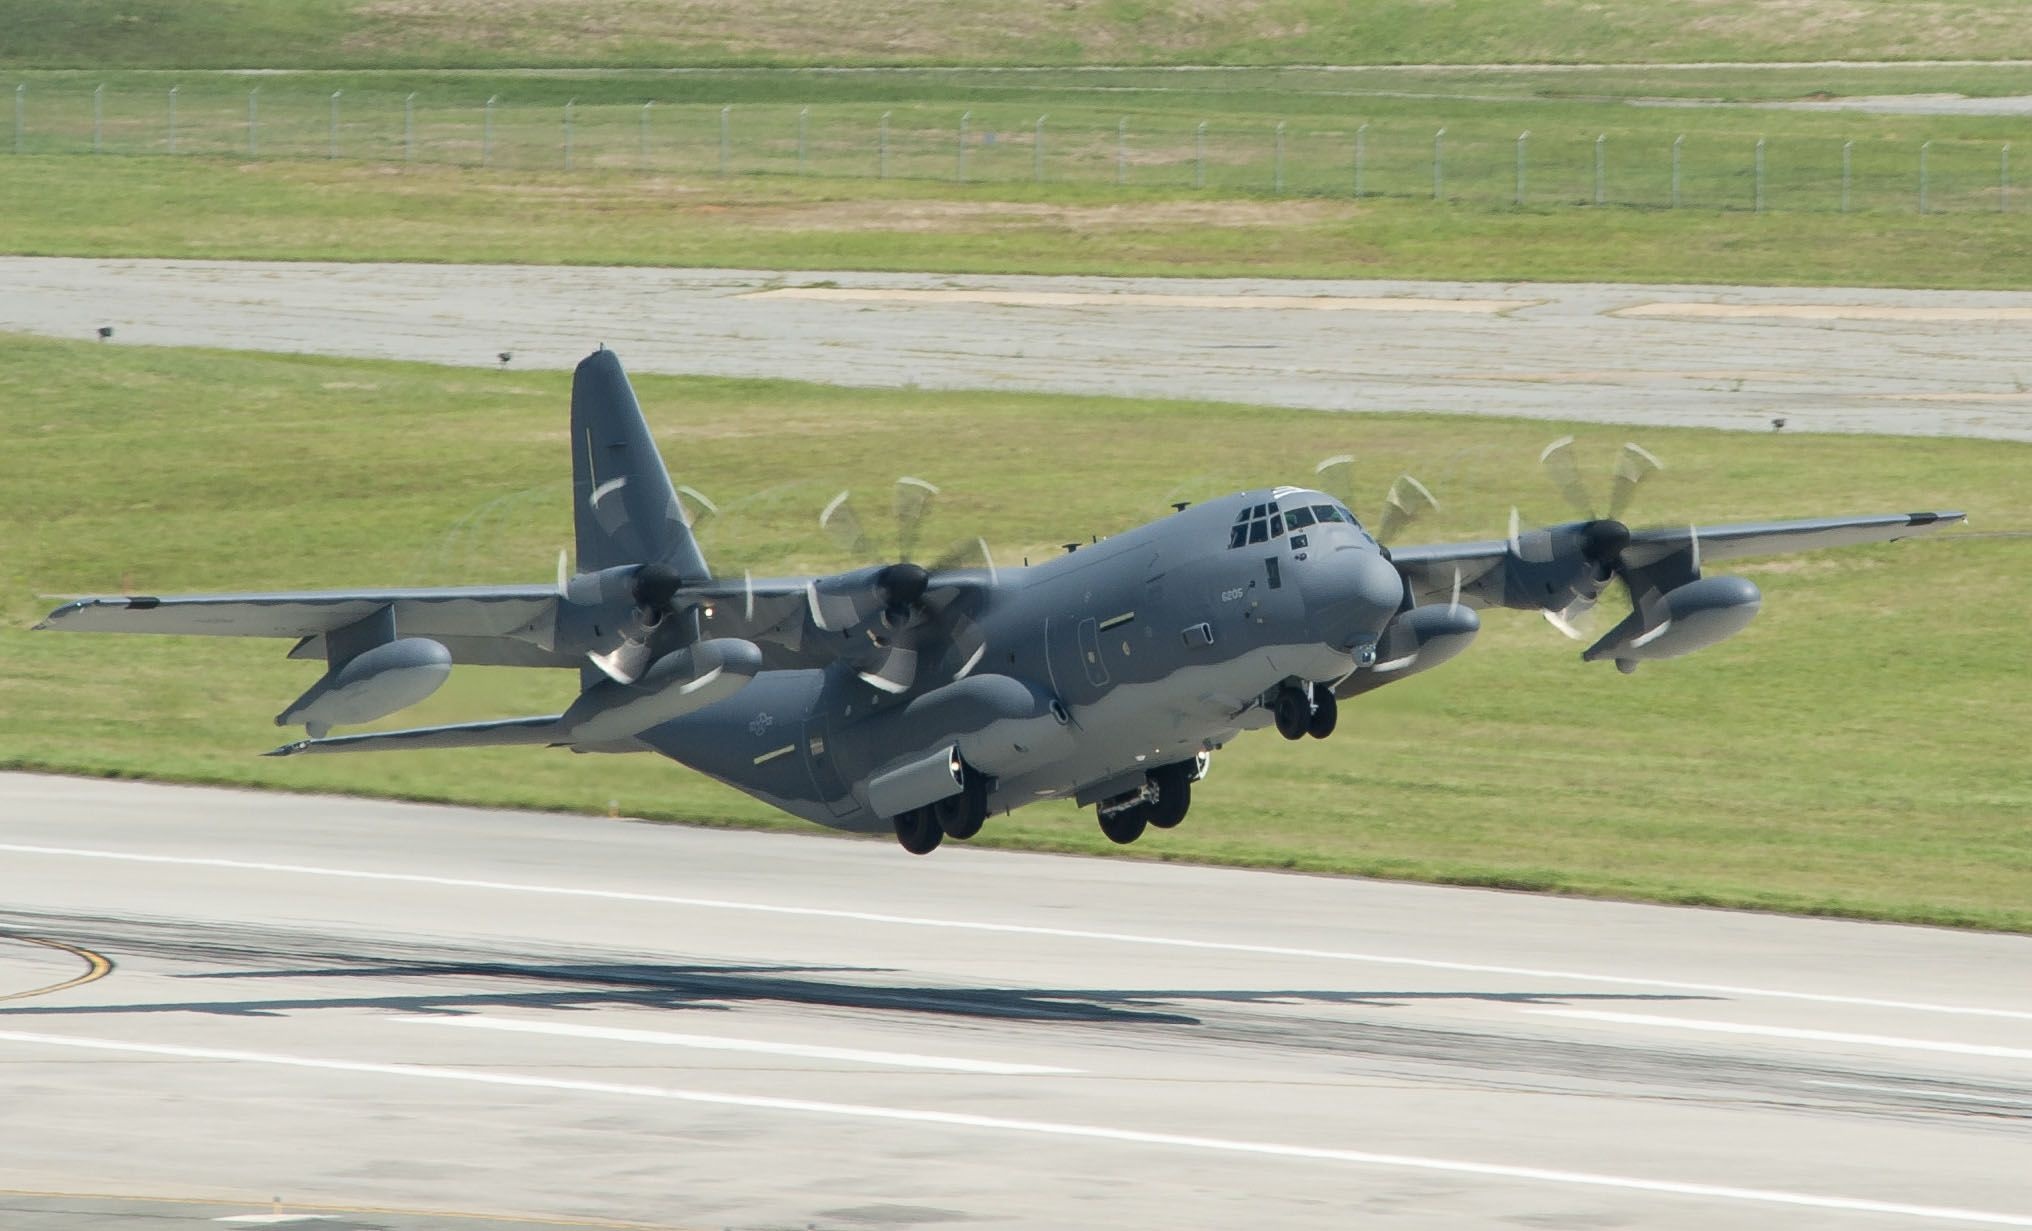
(1353, 596)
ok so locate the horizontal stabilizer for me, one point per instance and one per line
(500, 733)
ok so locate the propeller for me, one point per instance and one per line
(651, 587)
(904, 608)
(1405, 502)
(1602, 538)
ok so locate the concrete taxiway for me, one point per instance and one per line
(1826, 359)
(401, 1016)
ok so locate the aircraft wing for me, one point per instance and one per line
(1430, 571)
(480, 624)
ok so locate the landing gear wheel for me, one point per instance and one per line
(1127, 825)
(918, 831)
(1174, 795)
(1325, 712)
(957, 817)
(1293, 711)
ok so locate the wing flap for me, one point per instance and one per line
(499, 733)
(477, 611)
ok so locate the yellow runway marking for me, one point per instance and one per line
(96, 967)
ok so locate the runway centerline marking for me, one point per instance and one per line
(707, 1042)
(1017, 929)
(1045, 1128)
(1788, 1032)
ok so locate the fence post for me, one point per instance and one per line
(1601, 159)
(19, 91)
(2004, 178)
(1361, 148)
(1522, 137)
(960, 150)
(409, 128)
(1848, 152)
(1676, 143)
(567, 132)
(803, 129)
(332, 150)
(1923, 147)
(487, 131)
(1438, 175)
(1122, 150)
(882, 149)
(726, 136)
(1760, 175)
(172, 119)
(1277, 164)
(1199, 155)
(642, 136)
(1037, 152)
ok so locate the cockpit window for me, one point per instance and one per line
(1298, 518)
(1258, 524)
(1328, 512)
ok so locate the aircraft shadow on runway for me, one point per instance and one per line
(469, 976)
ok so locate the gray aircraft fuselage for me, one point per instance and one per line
(1143, 649)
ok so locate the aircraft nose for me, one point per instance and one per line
(1357, 594)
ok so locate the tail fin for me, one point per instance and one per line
(623, 505)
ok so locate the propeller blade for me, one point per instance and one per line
(841, 522)
(1564, 471)
(1567, 621)
(1336, 477)
(563, 574)
(1693, 534)
(1453, 604)
(912, 501)
(1631, 468)
(697, 518)
(967, 554)
(748, 595)
(1408, 501)
(625, 663)
(1516, 546)
(895, 672)
(969, 644)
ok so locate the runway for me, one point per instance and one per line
(1826, 359)
(405, 1017)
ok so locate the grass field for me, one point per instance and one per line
(1858, 751)
(201, 208)
(483, 33)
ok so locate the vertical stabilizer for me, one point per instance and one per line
(623, 505)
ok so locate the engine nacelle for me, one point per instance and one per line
(1692, 617)
(370, 685)
(1417, 640)
(679, 683)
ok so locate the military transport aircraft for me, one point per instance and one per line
(924, 699)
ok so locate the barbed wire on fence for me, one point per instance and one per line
(1453, 163)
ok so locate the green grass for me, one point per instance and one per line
(301, 211)
(1859, 751)
(338, 33)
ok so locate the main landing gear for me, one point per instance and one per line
(958, 817)
(1162, 801)
(1311, 710)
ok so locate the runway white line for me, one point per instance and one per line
(1919, 1092)
(1019, 929)
(1788, 1032)
(708, 1042)
(1043, 1128)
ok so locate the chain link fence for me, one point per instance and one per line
(1469, 163)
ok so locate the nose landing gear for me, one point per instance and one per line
(1310, 710)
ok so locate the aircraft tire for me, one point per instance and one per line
(1174, 795)
(918, 831)
(1293, 711)
(1325, 712)
(1127, 825)
(957, 816)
